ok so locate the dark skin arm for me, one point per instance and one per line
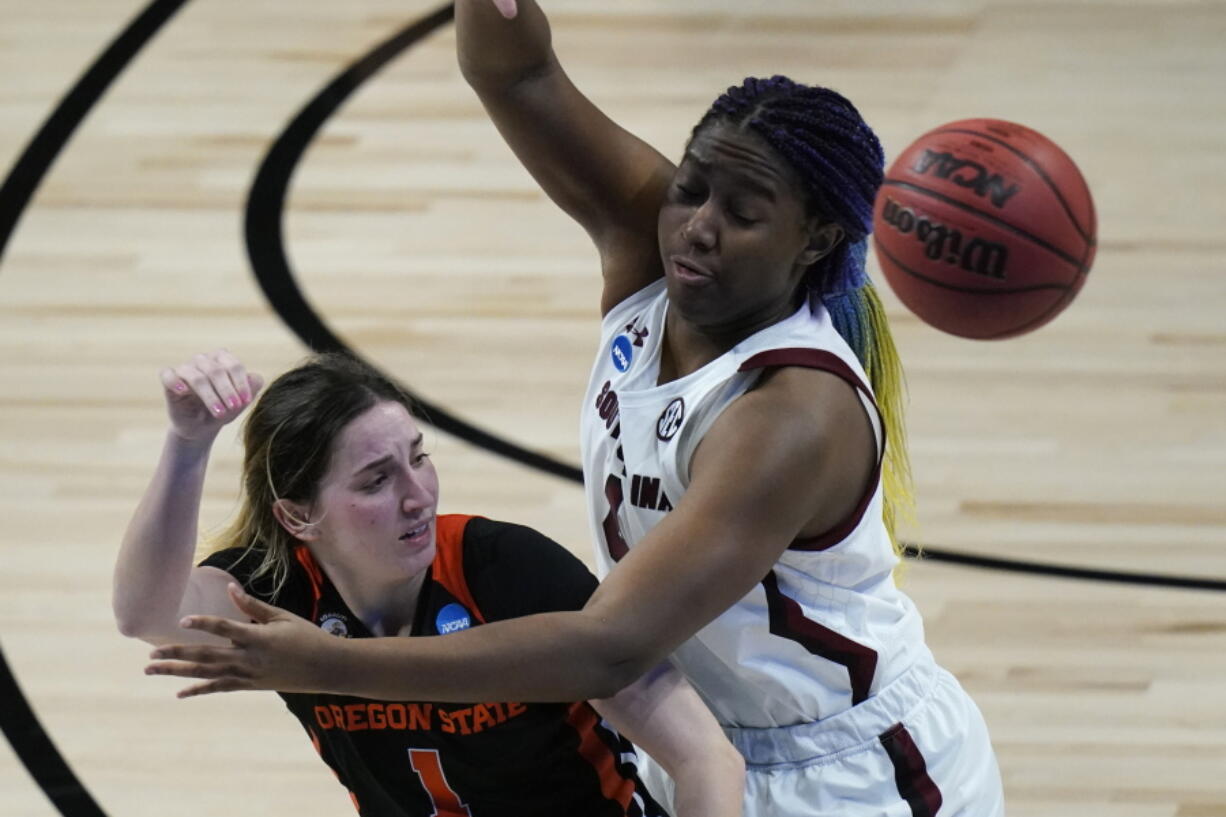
(773, 467)
(604, 177)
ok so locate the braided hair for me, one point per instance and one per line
(839, 163)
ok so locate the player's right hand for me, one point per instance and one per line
(205, 393)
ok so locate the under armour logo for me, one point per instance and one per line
(639, 334)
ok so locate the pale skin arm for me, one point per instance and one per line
(789, 458)
(664, 716)
(610, 181)
(155, 583)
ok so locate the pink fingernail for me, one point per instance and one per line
(232, 402)
(180, 387)
(217, 409)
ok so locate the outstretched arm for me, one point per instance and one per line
(664, 716)
(154, 580)
(604, 177)
(774, 466)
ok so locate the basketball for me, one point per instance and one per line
(985, 229)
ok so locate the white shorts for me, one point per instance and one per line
(918, 748)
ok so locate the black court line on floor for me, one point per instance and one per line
(30, 741)
(264, 216)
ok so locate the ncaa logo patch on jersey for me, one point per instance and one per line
(334, 623)
(452, 619)
(670, 420)
(622, 353)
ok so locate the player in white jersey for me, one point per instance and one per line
(742, 452)
(820, 674)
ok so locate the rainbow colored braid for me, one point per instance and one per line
(840, 163)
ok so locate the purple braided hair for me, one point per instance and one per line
(836, 156)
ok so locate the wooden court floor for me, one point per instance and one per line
(1098, 441)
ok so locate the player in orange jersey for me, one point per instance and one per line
(339, 524)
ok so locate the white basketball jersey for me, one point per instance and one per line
(827, 627)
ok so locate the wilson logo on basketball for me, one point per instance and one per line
(966, 173)
(987, 258)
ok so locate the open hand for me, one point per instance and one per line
(207, 392)
(278, 651)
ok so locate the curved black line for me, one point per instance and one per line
(265, 245)
(38, 754)
(20, 725)
(29, 739)
(45, 146)
(265, 241)
(1040, 171)
(924, 552)
(986, 216)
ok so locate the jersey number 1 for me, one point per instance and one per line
(430, 771)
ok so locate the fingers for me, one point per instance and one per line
(209, 687)
(184, 662)
(224, 677)
(217, 379)
(260, 612)
(234, 632)
(254, 383)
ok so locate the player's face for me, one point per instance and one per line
(376, 504)
(734, 234)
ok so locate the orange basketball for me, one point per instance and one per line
(984, 228)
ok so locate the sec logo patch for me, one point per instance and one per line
(670, 420)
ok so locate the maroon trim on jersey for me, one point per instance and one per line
(809, 359)
(835, 365)
(613, 540)
(584, 720)
(788, 621)
(911, 773)
(449, 559)
(314, 574)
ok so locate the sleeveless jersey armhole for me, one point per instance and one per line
(829, 362)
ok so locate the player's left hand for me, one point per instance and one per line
(278, 651)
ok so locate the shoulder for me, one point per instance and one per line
(492, 545)
(237, 561)
(490, 538)
(514, 570)
(798, 401)
(793, 454)
(795, 422)
(245, 563)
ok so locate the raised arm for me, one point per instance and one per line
(154, 580)
(664, 716)
(607, 179)
(773, 467)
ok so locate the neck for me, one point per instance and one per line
(687, 347)
(386, 608)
